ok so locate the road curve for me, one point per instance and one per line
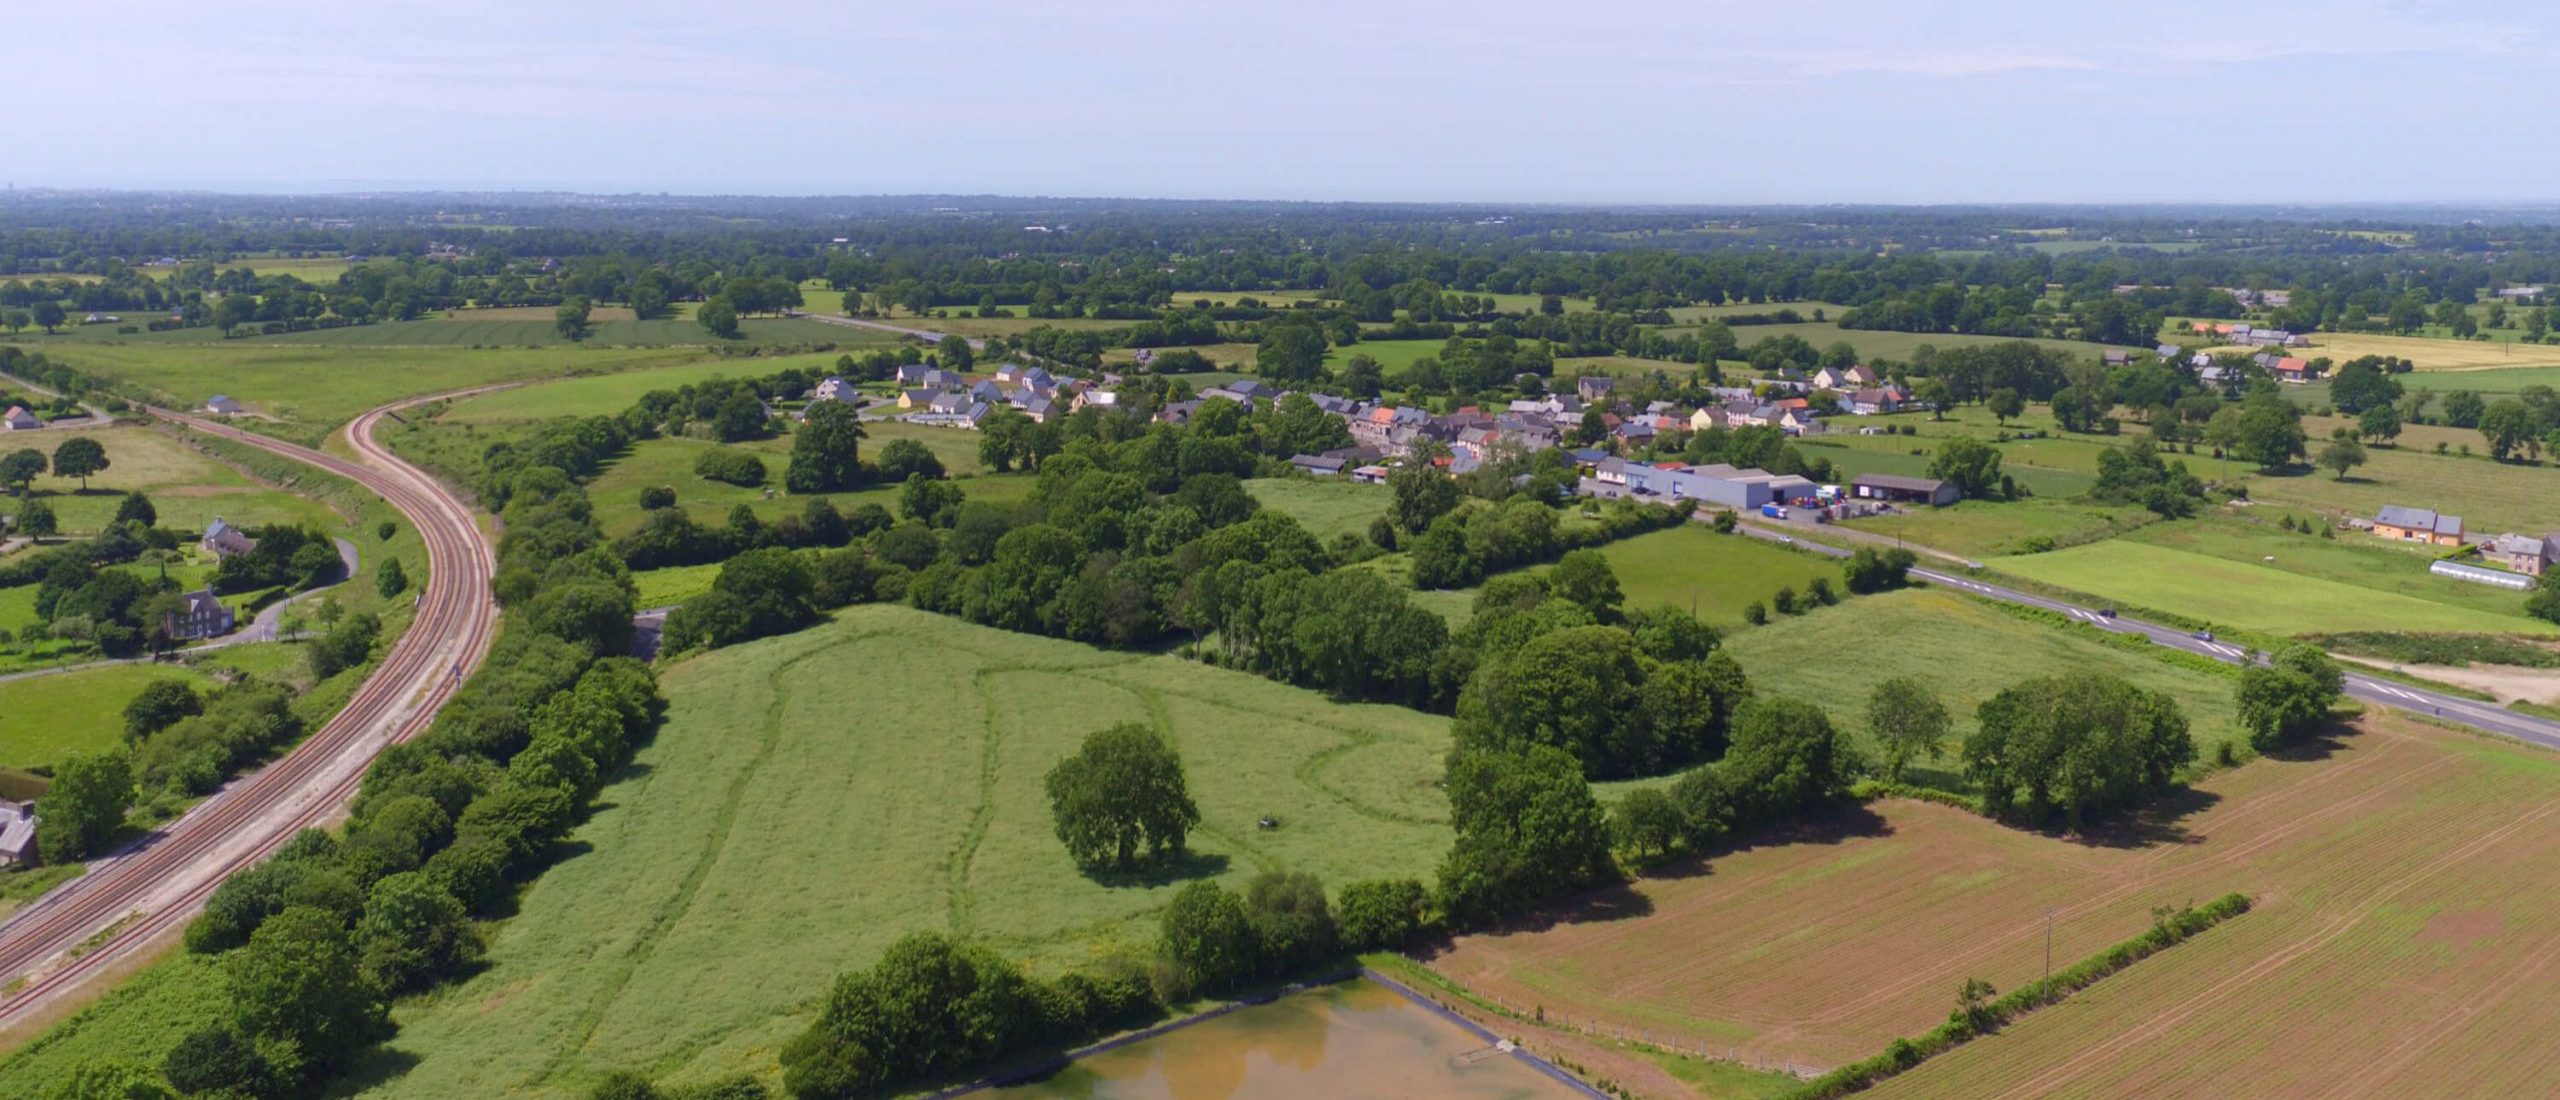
(147, 891)
(2488, 717)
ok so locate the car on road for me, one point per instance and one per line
(2106, 612)
(2203, 635)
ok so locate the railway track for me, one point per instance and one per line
(147, 892)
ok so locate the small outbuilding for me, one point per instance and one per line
(1905, 490)
(222, 405)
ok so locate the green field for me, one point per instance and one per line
(1988, 528)
(1963, 648)
(1324, 506)
(2250, 594)
(1692, 567)
(792, 817)
(2251, 537)
(1877, 344)
(672, 585)
(1619, 366)
(472, 328)
(2489, 496)
(304, 393)
(187, 488)
(616, 491)
(607, 394)
(45, 718)
(1852, 455)
(1393, 356)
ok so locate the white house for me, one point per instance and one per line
(222, 405)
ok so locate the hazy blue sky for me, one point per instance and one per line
(1591, 100)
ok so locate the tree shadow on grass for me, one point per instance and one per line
(2321, 745)
(1163, 870)
(2162, 822)
(371, 1070)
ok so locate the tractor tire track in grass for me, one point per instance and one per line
(715, 841)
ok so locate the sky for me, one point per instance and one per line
(1601, 101)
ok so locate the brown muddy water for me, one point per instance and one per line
(1350, 1039)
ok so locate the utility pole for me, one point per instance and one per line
(2048, 952)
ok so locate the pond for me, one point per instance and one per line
(1351, 1039)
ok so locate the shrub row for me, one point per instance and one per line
(1978, 1016)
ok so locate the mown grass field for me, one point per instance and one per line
(2256, 595)
(813, 797)
(1618, 366)
(2401, 941)
(1691, 567)
(1966, 650)
(45, 718)
(1393, 356)
(2250, 536)
(607, 394)
(672, 585)
(1325, 507)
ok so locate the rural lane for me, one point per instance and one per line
(144, 893)
(2371, 689)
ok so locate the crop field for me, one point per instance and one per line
(1325, 507)
(2401, 930)
(45, 718)
(2252, 594)
(303, 394)
(1979, 529)
(792, 817)
(187, 488)
(1691, 566)
(1967, 650)
(669, 462)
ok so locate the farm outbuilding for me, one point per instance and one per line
(1905, 490)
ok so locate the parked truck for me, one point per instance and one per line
(1773, 511)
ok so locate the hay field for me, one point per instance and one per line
(45, 718)
(2400, 931)
(2428, 354)
(1325, 507)
(1691, 566)
(812, 797)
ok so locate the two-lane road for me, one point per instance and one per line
(143, 894)
(2370, 689)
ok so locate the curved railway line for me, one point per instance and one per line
(146, 892)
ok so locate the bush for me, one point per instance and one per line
(657, 496)
(1380, 914)
(1208, 935)
(732, 466)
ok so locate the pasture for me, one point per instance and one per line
(1393, 356)
(2394, 874)
(791, 818)
(2489, 496)
(45, 718)
(609, 394)
(2254, 595)
(1325, 507)
(1967, 650)
(672, 585)
(1693, 568)
(2251, 536)
(1618, 366)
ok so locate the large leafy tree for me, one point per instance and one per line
(1908, 721)
(1121, 792)
(1973, 465)
(21, 468)
(826, 451)
(2075, 747)
(296, 984)
(2288, 698)
(1209, 935)
(85, 805)
(80, 456)
(1290, 351)
(1527, 830)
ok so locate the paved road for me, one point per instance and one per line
(2370, 689)
(139, 896)
(927, 335)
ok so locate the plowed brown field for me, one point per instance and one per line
(2405, 943)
